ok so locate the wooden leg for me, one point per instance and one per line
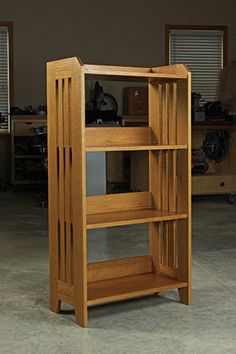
(81, 317)
(55, 305)
(185, 295)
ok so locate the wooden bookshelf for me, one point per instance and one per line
(165, 206)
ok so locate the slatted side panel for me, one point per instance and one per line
(67, 189)
(166, 130)
(64, 175)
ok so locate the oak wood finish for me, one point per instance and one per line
(184, 185)
(136, 148)
(119, 268)
(118, 202)
(130, 287)
(119, 71)
(166, 205)
(117, 136)
(66, 167)
(142, 216)
(155, 161)
(125, 139)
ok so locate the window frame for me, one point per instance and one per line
(9, 25)
(221, 28)
(224, 29)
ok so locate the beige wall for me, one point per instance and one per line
(122, 32)
(129, 32)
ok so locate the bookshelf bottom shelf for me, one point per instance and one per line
(117, 289)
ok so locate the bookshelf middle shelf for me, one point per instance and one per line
(130, 139)
(126, 209)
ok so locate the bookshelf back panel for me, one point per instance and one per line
(118, 202)
(118, 136)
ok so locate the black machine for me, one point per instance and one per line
(103, 108)
(215, 148)
(216, 145)
(198, 112)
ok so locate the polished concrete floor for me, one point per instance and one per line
(156, 324)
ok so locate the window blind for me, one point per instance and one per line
(4, 79)
(202, 51)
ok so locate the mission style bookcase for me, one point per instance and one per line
(165, 206)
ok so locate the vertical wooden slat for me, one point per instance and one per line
(167, 85)
(174, 224)
(59, 249)
(52, 99)
(155, 161)
(61, 178)
(164, 103)
(67, 144)
(161, 243)
(164, 203)
(163, 178)
(72, 253)
(154, 112)
(173, 171)
(167, 180)
(167, 236)
(182, 108)
(58, 180)
(170, 244)
(79, 194)
(164, 243)
(168, 224)
(70, 191)
(161, 196)
(176, 248)
(172, 207)
(172, 114)
(159, 119)
(184, 187)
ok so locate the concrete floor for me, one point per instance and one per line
(156, 324)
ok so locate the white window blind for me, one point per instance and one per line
(4, 79)
(202, 51)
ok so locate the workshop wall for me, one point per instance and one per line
(113, 32)
(124, 32)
